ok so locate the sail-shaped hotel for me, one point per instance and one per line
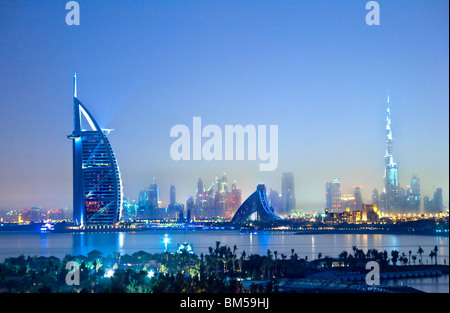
(97, 186)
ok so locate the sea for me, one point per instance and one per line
(13, 244)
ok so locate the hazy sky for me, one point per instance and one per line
(314, 68)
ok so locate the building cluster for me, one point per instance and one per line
(394, 198)
(98, 197)
(218, 200)
(408, 199)
(34, 214)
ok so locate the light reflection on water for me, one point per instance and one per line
(60, 244)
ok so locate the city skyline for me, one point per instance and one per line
(326, 88)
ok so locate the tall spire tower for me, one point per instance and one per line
(97, 185)
(391, 185)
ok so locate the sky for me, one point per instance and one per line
(314, 68)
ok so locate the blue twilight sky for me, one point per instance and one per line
(314, 68)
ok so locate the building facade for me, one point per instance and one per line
(97, 185)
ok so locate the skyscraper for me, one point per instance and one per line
(438, 202)
(153, 195)
(333, 195)
(236, 198)
(391, 184)
(143, 211)
(413, 196)
(221, 196)
(376, 198)
(287, 193)
(97, 186)
(172, 196)
(358, 198)
(274, 200)
(173, 208)
(201, 201)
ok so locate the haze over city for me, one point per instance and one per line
(323, 81)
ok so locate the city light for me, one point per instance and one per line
(109, 273)
(166, 241)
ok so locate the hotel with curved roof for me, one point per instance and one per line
(97, 186)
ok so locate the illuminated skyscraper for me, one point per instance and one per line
(97, 187)
(221, 195)
(153, 195)
(333, 196)
(234, 200)
(413, 195)
(391, 185)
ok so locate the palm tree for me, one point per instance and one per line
(410, 252)
(431, 255)
(394, 254)
(420, 252)
(217, 247)
(435, 250)
(354, 251)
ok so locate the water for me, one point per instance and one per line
(13, 244)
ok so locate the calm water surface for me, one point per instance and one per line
(13, 244)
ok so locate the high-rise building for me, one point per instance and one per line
(413, 196)
(402, 201)
(383, 201)
(274, 200)
(221, 196)
(210, 202)
(143, 209)
(189, 208)
(172, 195)
(287, 193)
(97, 186)
(391, 184)
(173, 207)
(376, 198)
(153, 195)
(201, 201)
(438, 202)
(358, 198)
(235, 200)
(333, 196)
(427, 204)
